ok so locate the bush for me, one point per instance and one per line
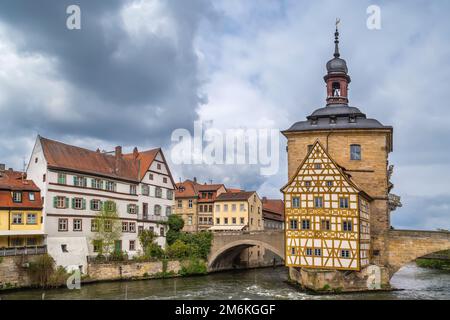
(175, 222)
(41, 270)
(194, 267)
(154, 251)
(179, 250)
(119, 255)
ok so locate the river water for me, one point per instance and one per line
(269, 283)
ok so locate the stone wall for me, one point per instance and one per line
(13, 272)
(129, 270)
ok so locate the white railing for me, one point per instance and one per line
(152, 218)
(20, 251)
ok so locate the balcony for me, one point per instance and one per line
(152, 218)
(21, 251)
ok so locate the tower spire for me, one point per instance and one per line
(336, 40)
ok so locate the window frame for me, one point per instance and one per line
(355, 155)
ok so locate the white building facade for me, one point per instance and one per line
(75, 182)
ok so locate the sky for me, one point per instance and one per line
(137, 70)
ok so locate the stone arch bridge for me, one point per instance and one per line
(228, 246)
(403, 246)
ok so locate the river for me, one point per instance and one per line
(269, 283)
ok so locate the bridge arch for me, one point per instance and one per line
(227, 248)
(405, 246)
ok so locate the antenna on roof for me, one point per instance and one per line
(23, 168)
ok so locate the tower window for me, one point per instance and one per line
(310, 146)
(336, 89)
(355, 152)
(296, 202)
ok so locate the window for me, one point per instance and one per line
(336, 89)
(64, 248)
(140, 229)
(217, 220)
(78, 203)
(158, 166)
(161, 231)
(200, 208)
(16, 242)
(132, 209)
(306, 224)
(343, 203)
(217, 207)
(164, 180)
(190, 203)
(180, 204)
(94, 225)
(145, 209)
(31, 218)
(79, 181)
(17, 218)
(110, 186)
(308, 251)
(62, 178)
(60, 202)
(347, 226)
(157, 210)
(307, 183)
(329, 183)
(233, 207)
(355, 152)
(31, 242)
(31, 196)
(132, 245)
(63, 224)
(107, 225)
(190, 220)
(110, 206)
(97, 245)
(97, 184)
(168, 210)
(132, 227)
(158, 192)
(96, 205)
(293, 224)
(145, 189)
(293, 251)
(150, 176)
(317, 166)
(242, 220)
(310, 146)
(233, 220)
(345, 253)
(242, 207)
(210, 208)
(296, 202)
(225, 220)
(124, 226)
(133, 190)
(318, 202)
(225, 208)
(44, 177)
(77, 225)
(317, 252)
(325, 225)
(169, 194)
(17, 196)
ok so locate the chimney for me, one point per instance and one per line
(2, 167)
(264, 199)
(118, 152)
(195, 179)
(135, 152)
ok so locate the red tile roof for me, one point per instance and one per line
(235, 196)
(16, 181)
(273, 209)
(192, 189)
(130, 167)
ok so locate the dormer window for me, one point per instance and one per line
(314, 121)
(352, 119)
(332, 120)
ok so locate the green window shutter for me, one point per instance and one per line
(73, 203)
(66, 200)
(128, 208)
(92, 204)
(92, 183)
(84, 204)
(55, 201)
(85, 182)
(137, 209)
(100, 204)
(74, 180)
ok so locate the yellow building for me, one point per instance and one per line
(21, 221)
(238, 211)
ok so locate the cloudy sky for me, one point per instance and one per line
(137, 70)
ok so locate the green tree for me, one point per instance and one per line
(108, 228)
(149, 246)
(175, 223)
